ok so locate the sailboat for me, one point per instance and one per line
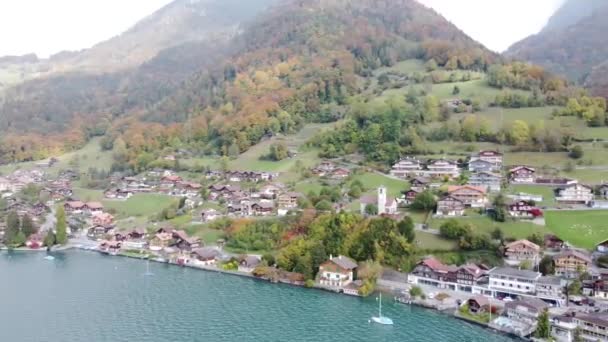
(381, 319)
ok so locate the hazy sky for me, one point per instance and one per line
(50, 26)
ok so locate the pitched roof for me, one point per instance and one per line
(574, 253)
(531, 304)
(94, 205)
(453, 188)
(524, 242)
(514, 272)
(344, 262)
(206, 253)
(481, 300)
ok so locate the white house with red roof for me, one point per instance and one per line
(337, 272)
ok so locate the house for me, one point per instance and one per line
(525, 310)
(262, 208)
(385, 205)
(524, 209)
(471, 196)
(513, 281)
(442, 168)
(289, 200)
(136, 234)
(603, 191)
(478, 304)
(410, 195)
(478, 165)
(406, 167)
(35, 241)
(571, 263)
(169, 181)
(162, 239)
(340, 173)
(574, 194)
(431, 271)
(420, 182)
(553, 242)
(102, 219)
(493, 157)
(522, 175)
(206, 256)
(93, 208)
(488, 180)
(337, 272)
(249, 263)
(468, 275)
(324, 168)
(184, 242)
(520, 250)
(121, 194)
(593, 326)
(551, 288)
(209, 215)
(450, 206)
(271, 190)
(74, 207)
(110, 247)
(99, 231)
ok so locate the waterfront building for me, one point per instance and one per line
(551, 288)
(337, 272)
(513, 281)
(594, 327)
(206, 256)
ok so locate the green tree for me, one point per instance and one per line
(12, 227)
(61, 234)
(19, 240)
(424, 201)
(497, 234)
(406, 228)
(49, 239)
(371, 209)
(27, 225)
(304, 266)
(431, 65)
(519, 133)
(278, 151)
(324, 205)
(543, 327)
(577, 152)
(578, 335)
(456, 90)
(355, 191)
(546, 266)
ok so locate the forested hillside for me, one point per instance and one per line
(573, 42)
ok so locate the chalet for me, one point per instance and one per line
(262, 208)
(574, 194)
(249, 263)
(337, 272)
(183, 242)
(431, 271)
(136, 234)
(385, 205)
(471, 196)
(525, 310)
(225, 191)
(522, 175)
(121, 194)
(468, 275)
(407, 167)
(478, 304)
(593, 327)
(111, 247)
(209, 215)
(571, 263)
(410, 195)
(450, 206)
(553, 242)
(340, 173)
(170, 181)
(162, 239)
(490, 181)
(324, 168)
(98, 231)
(478, 165)
(206, 256)
(420, 182)
(74, 207)
(102, 219)
(442, 168)
(93, 207)
(524, 209)
(493, 157)
(522, 250)
(289, 200)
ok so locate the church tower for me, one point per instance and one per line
(381, 200)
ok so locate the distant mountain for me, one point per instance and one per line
(573, 43)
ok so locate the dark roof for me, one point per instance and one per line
(549, 280)
(481, 300)
(206, 253)
(531, 304)
(598, 319)
(574, 253)
(513, 272)
(344, 262)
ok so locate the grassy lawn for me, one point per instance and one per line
(581, 228)
(499, 116)
(141, 205)
(407, 66)
(87, 195)
(371, 181)
(430, 241)
(417, 216)
(545, 191)
(308, 185)
(485, 225)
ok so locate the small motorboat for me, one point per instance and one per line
(381, 319)
(49, 257)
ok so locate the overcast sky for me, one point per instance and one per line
(49, 26)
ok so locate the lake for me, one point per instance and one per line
(85, 296)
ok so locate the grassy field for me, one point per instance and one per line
(545, 191)
(581, 228)
(371, 181)
(407, 66)
(87, 195)
(485, 225)
(140, 205)
(430, 241)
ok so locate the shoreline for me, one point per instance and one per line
(383, 289)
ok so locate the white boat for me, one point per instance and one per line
(381, 319)
(49, 257)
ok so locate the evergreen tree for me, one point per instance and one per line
(49, 239)
(577, 335)
(406, 228)
(61, 228)
(12, 227)
(27, 226)
(543, 329)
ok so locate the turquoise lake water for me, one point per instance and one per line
(85, 296)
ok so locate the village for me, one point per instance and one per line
(510, 297)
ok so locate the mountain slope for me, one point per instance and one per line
(572, 43)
